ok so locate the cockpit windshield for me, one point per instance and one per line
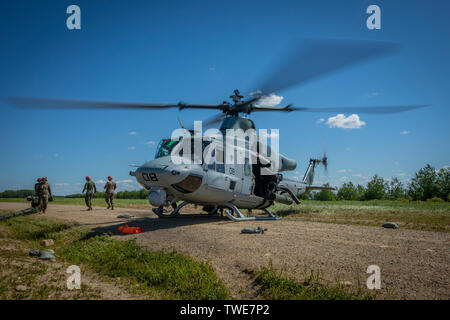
(165, 147)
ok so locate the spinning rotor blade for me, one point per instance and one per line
(213, 120)
(318, 57)
(373, 110)
(38, 103)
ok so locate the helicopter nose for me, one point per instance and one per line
(151, 175)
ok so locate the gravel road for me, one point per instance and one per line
(414, 264)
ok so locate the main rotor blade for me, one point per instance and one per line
(39, 103)
(392, 109)
(213, 120)
(374, 110)
(310, 59)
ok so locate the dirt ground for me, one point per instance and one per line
(414, 264)
(46, 279)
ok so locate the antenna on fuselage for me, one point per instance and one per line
(181, 123)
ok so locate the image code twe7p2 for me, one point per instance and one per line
(224, 158)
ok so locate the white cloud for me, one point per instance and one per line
(402, 174)
(342, 170)
(61, 184)
(150, 143)
(320, 120)
(212, 69)
(405, 132)
(272, 135)
(343, 122)
(100, 181)
(55, 155)
(132, 148)
(124, 181)
(132, 133)
(269, 101)
(358, 175)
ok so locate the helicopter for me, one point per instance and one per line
(227, 188)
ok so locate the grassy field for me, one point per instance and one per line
(148, 274)
(276, 285)
(152, 274)
(427, 216)
(417, 215)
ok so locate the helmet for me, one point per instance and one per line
(44, 178)
(88, 178)
(39, 179)
(109, 177)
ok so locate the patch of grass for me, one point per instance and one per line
(157, 274)
(33, 228)
(276, 285)
(417, 215)
(170, 274)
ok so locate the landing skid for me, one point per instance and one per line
(163, 213)
(233, 213)
(239, 216)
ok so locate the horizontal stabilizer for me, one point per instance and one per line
(311, 188)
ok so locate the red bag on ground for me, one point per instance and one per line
(129, 230)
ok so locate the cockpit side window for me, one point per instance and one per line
(165, 147)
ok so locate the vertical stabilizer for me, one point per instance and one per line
(309, 174)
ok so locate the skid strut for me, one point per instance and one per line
(176, 212)
(240, 217)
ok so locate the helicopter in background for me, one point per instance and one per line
(229, 187)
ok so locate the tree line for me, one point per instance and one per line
(427, 184)
(134, 194)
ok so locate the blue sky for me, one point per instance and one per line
(199, 52)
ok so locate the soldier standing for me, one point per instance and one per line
(44, 192)
(91, 190)
(110, 186)
(37, 191)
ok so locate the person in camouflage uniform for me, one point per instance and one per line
(44, 191)
(110, 186)
(91, 190)
(37, 191)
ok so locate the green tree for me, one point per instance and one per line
(325, 195)
(376, 188)
(348, 192)
(424, 185)
(396, 189)
(361, 191)
(16, 193)
(443, 181)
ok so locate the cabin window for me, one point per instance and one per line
(247, 168)
(220, 167)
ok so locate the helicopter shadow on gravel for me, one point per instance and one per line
(153, 224)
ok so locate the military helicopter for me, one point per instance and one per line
(226, 188)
